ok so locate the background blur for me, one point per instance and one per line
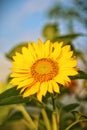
(58, 20)
(24, 20)
(21, 20)
(28, 20)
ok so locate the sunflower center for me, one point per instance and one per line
(44, 69)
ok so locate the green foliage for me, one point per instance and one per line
(11, 96)
(70, 107)
(79, 115)
(74, 12)
(9, 92)
(50, 31)
(66, 39)
(13, 100)
(71, 118)
(59, 11)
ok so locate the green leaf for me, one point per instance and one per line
(9, 92)
(81, 75)
(16, 48)
(70, 107)
(79, 115)
(11, 96)
(67, 38)
(13, 100)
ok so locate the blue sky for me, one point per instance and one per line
(22, 20)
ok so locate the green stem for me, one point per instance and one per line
(27, 117)
(46, 120)
(26, 123)
(55, 115)
(54, 121)
(53, 102)
(58, 118)
(74, 123)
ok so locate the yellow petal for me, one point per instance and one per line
(24, 50)
(41, 48)
(15, 81)
(19, 75)
(32, 51)
(25, 83)
(39, 96)
(43, 88)
(27, 56)
(37, 50)
(18, 80)
(32, 90)
(59, 79)
(70, 72)
(66, 78)
(24, 62)
(68, 63)
(65, 57)
(17, 56)
(50, 88)
(40, 43)
(56, 51)
(47, 48)
(55, 86)
(20, 71)
(22, 89)
(66, 48)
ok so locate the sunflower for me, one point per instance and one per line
(41, 67)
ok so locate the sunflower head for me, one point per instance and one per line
(41, 67)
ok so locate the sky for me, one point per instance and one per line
(23, 20)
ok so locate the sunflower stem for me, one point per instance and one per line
(26, 123)
(55, 115)
(54, 121)
(46, 120)
(53, 102)
(27, 117)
